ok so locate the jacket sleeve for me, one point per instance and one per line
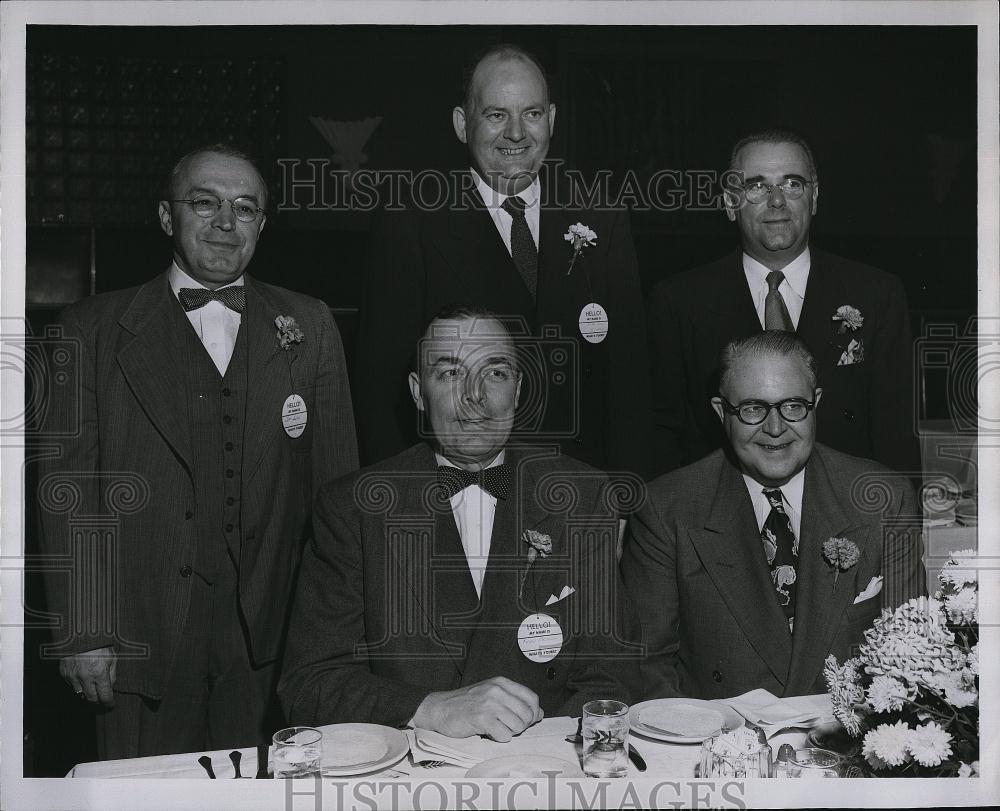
(326, 678)
(903, 572)
(336, 446)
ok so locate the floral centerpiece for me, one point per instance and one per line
(910, 699)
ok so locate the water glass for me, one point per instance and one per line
(814, 763)
(298, 752)
(605, 738)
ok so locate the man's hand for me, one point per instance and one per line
(497, 707)
(91, 674)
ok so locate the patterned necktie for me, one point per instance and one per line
(234, 297)
(522, 246)
(494, 480)
(775, 313)
(782, 551)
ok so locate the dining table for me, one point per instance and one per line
(782, 721)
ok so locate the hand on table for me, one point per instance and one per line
(91, 674)
(497, 707)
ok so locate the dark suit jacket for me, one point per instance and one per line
(133, 427)
(598, 407)
(386, 611)
(695, 567)
(867, 408)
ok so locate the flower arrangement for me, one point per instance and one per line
(910, 698)
(288, 331)
(580, 236)
(539, 544)
(841, 554)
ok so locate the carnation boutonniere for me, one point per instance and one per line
(539, 544)
(579, 236)
(841, 554)
(850, 318)
(288, 331)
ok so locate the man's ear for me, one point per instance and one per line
(717, 405)
(552, 119)
(414, 381)
(815, 197)
(816, 396)
(458, 122)
(165, 221)
(263, 219)
(517, 391)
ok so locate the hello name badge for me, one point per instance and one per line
(593, 323)
(540, 638)
(294, 415)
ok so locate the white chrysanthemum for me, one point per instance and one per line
(888, 744)
(930, 744)
(846, 691)
(960, 568)
(954, 686)
(886, 694)
(911, 642)
(973, 659)
(961, 607)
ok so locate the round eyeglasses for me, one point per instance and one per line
(791, 187)
(244, 208)
(754, 412)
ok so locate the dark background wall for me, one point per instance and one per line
(890, 113)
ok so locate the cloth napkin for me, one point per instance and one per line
(766, 709)
(428, 745)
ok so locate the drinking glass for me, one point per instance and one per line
(297, 752)
(814, 763)
(605, 738)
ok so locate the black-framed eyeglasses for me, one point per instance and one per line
(754, 412)
(244, 208)
(791, 187)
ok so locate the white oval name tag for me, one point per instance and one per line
(540, 638)
(593, 323)
(294, 415)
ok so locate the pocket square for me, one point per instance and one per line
(566, 591)
(872, 589)
(855, 353)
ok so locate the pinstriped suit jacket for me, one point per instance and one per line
(127, 467)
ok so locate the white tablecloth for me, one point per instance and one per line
(666, 760)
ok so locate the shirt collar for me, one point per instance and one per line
(791, 491)
(796, 272)
(446, 462)
(494, 199)
(178, 279)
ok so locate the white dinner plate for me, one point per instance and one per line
(728, 717)
(525, 766)
(351, 749)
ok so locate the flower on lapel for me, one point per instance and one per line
(580, 237)
(850, 318)
(841, 554)
(288, 331)
(538, 544)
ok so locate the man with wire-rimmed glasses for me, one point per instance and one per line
(223, 403)
(853, 317)
(754, 564)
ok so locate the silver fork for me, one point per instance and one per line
(432, 764)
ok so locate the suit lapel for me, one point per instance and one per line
(732, 299)
(820, 603)
(271, 374)
(730, 550)
(816, 326)
(152, 363)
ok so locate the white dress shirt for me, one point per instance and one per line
(791, 495)
(501, 219)
(215, 324)
(792, 288)
(474, 510)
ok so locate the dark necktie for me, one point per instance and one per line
(775, 313)
(782, 551)
(234, 297)
(494, 480)
(522, 246)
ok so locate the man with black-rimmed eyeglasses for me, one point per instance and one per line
(853, 317)
(753, 565)
(223, 403)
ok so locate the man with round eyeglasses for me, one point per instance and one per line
(853, 318)
(729, 560)
(222, 404)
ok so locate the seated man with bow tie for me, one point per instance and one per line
(752, 565)
(466, 585)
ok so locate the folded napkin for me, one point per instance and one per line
(766, 709)
(427, 745)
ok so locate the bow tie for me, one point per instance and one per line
(494, 480)
(234, 297)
